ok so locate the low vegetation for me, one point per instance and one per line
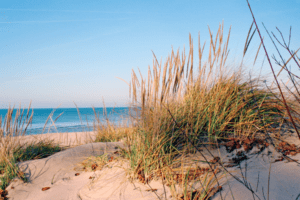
(182, 111)
(179, 107)
(13, 150)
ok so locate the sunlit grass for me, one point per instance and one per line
(12, 150)
(180, 109)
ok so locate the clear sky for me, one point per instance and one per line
(56, 52)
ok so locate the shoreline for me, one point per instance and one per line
(64, 139)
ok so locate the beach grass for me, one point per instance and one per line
(179, 108)
(106, 131)
(13, 150)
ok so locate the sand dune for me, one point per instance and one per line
(57, 173)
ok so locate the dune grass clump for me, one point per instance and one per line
(110, 132)
(93, 163)
(228, 109)
(180, 109)
(36, 150)
(13, 150)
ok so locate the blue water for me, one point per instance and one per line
(69, 121)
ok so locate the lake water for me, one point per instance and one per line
(69, 120)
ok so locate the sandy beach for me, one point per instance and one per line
(60, 176)
(140, 100)
(62, 139)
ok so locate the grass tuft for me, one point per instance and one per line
(177, 106)
(13, 151)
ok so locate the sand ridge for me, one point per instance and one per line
(58, 172)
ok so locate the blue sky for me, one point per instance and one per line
(56, 52)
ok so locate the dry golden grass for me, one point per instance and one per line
(179, 108)
(13, 150)
(16, 147)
